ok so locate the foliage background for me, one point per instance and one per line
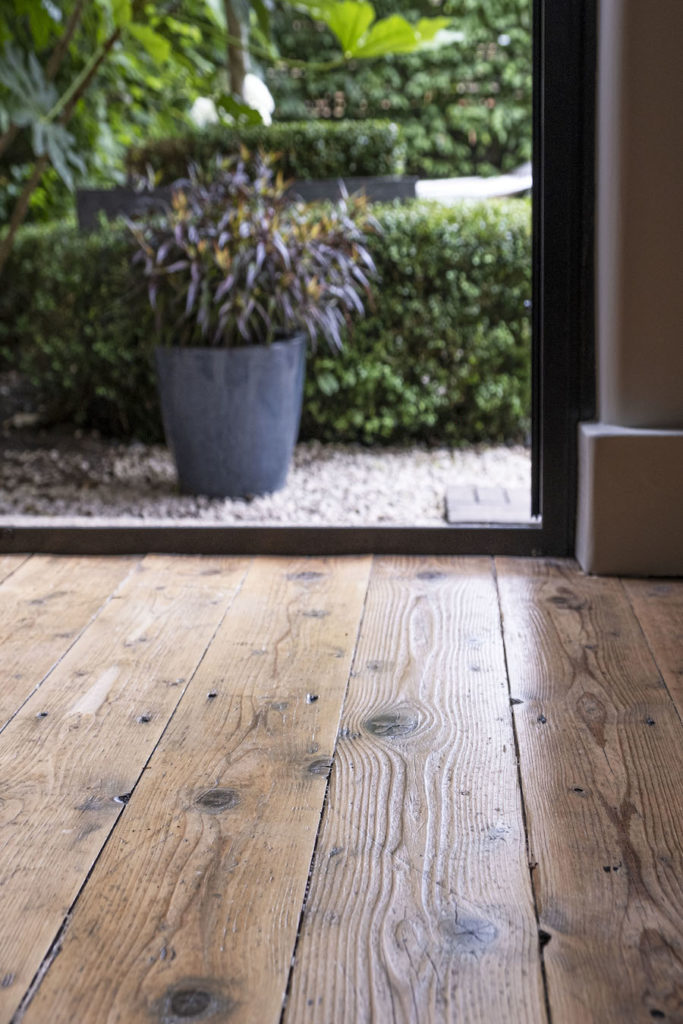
(443, 357)
(464, 109)
(136, 94)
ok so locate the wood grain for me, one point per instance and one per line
(658, 605)
(420, 906)
(601, 759)
(44, 606)
(73, 753)
(10, 564)
(193, 908)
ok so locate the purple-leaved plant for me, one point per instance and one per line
(233, 261)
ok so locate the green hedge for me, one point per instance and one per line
(73, 317)
(442, 358)
(310, 149)
(445, 355)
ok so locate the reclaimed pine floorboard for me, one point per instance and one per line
(420, 907)
(601, 757)
(193, 909)
(73, 753)
(44, 606)
(189, 834)
(658, 605)
(10, 564)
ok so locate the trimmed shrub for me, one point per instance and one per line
(308, 149)
(445, 355)
(442, 358)
(76, 320)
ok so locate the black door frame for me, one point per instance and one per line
(564, 63)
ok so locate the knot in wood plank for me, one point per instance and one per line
(217, 800)
(392, 724)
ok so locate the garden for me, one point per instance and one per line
(420, 362)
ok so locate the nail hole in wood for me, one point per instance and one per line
(123, 799)
(659, 1014)
(650, 721)
(42, 714)
(311, 698)
(542, 719)
(211, 695)
(145, 718)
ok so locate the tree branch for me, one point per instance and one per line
(64, 108)
(21, 209)
(8, 137)
(60, 49)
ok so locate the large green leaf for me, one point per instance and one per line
(240, 112)
(428, 30)
(156, 45)
(353, 23)
(60, 147)
(396, 35)
(31, 96)
(348, 19)
(122, 12)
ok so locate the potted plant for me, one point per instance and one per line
(241, 280)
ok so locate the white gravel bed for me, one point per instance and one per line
(329, 484)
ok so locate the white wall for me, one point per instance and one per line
(630, 510)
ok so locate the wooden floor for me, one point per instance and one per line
(338, 791)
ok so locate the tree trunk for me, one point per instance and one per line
(238, 59)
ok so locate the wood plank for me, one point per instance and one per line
(602, 765)
(10, 564)
(193, 908)
(420, 906)
(44, 606)
(658, 604)
(75, 750)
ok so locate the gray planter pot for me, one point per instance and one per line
(231, 416)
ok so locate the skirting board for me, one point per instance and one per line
(630, 503)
